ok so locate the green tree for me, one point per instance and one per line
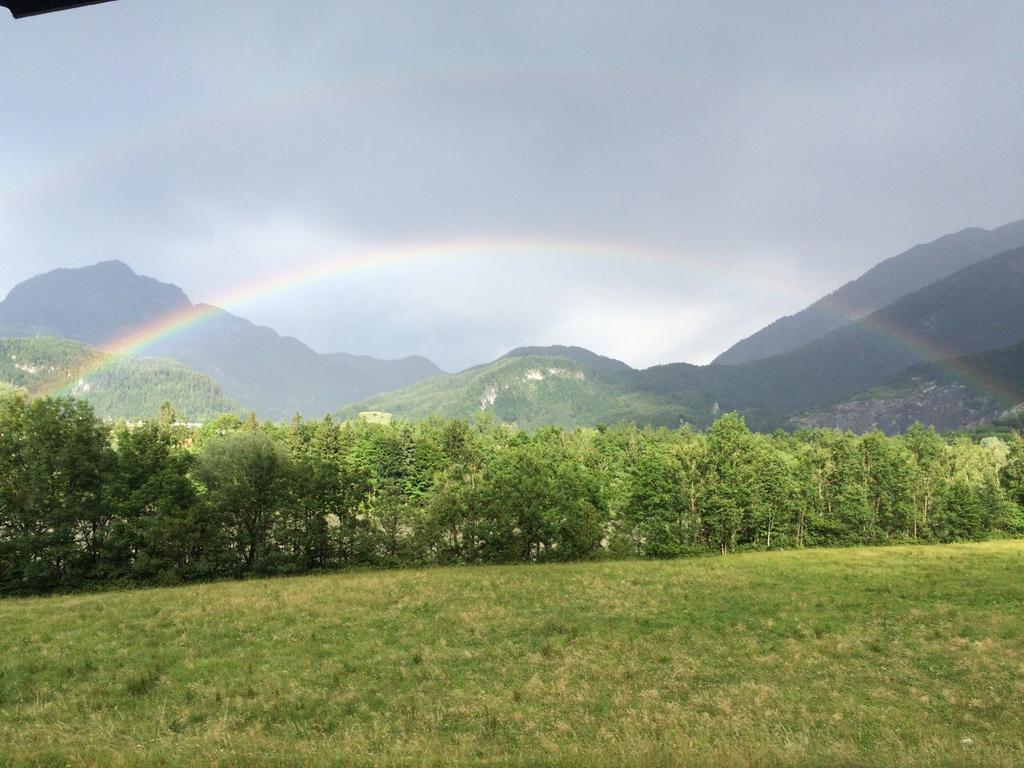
(160, 533)
(1011, 478)
(887, 482)
(54, 456)
(730, 483)
(245, 476)
(928, 452)
(658, 514)
(775, 494)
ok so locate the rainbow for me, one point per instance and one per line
(358, 88)
(141, 339)
(954, 363)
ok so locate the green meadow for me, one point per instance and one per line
(910, 656)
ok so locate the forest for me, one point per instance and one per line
(85, 504)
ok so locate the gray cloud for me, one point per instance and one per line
(776, 151)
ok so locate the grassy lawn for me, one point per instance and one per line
(890, 656)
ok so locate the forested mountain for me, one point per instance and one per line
(955, 394)
(268, 373)
(977, 309)
(278, 376)
(879, 286)
(117, 388)
(536, 390)
(607, 366)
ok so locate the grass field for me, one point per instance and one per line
(895, 656)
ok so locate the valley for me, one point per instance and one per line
(507, 385)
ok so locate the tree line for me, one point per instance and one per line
(85, 504)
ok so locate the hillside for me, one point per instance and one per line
(881, 285)
(964, 393)
(124, 388)
(273, 375)
(975, 310)
(784, 658)
(533, 391)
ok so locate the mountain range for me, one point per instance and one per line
(974, 314)
(934, 334)
(979, 308)
(879, 286)
(275, 376)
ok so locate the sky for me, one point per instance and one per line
(653, 181)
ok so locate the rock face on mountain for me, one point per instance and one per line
(943, 406)
(952, 394)
(879, 286)
(274, 375)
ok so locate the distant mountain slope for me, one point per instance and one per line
(963, 393)
(977, 309)
(879, 286)
(535, 390)
(606, 366)
(94, 305)
(273, 375)
(383, 375)
(125, 388)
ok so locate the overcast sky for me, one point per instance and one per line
(663, 178)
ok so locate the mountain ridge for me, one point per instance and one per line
(608, 366)
(976, 309)
(979, 308)
(271, 374)
(884, 283)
